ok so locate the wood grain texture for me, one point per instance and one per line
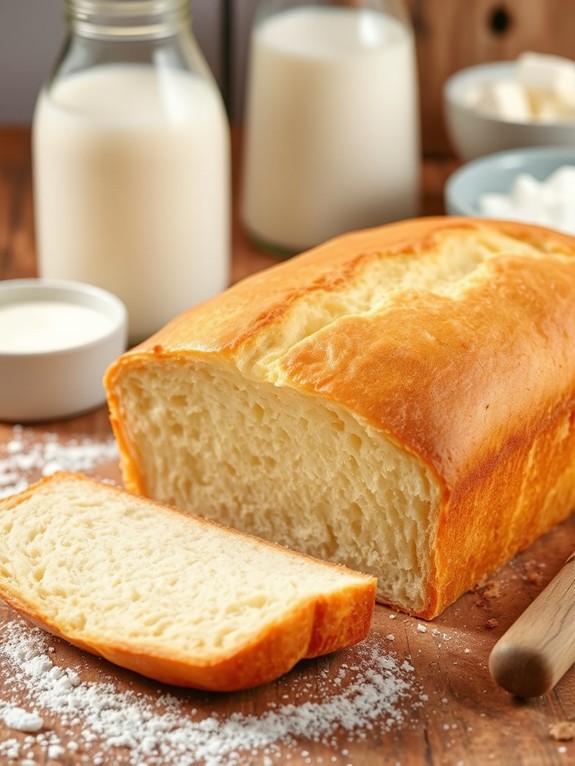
(454, 712)
(17, 246)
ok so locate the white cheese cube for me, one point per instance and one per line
(564, 88)
(549, 108)
(495, 205)
(567, 223)
(541, 71)
(526, 191)
(560, 185)
(542, 74)
(506, 100)
(548, 203)
(561, 215)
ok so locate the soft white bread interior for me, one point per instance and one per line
(173, 597)
(400, 400)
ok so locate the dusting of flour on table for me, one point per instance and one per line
(17, 718)
(28, 455)
(369, 693)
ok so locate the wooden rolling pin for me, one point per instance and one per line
(539, 647)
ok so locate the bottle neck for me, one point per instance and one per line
(123, 19)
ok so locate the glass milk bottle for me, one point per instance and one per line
(131, 161)
(332, 121)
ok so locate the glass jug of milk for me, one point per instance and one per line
(332, 138)
(131, 161)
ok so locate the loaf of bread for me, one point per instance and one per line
(169, 595)
(400, 400)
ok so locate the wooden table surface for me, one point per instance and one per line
(450, 712)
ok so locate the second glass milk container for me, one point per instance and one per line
(332, 121)
(131, 161)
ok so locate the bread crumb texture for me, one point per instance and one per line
(166, 594)
(563, 731)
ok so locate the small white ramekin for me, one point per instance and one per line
(67, 381)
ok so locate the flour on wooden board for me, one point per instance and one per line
(26, 455)
(370, 693)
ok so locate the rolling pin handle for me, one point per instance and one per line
(539, 648)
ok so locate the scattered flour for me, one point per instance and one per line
(25, 457)
(369, 694)
(16, 718)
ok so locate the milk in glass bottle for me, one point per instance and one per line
(332, 120)
(131, 161)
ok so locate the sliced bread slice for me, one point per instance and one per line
(174, 597)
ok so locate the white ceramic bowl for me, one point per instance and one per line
(473, 134)
(56, 340)
(496, 173)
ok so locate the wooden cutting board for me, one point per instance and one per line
(413, 693)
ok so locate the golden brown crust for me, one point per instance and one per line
(456, 396)
(226, 322)
(303, 634)
(518, 499)
(479, 388)
(311, 629)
